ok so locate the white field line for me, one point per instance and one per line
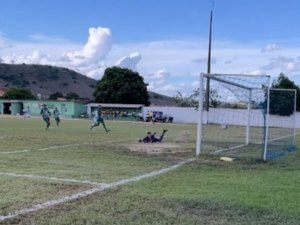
(86, 193)
(239, 146)
(19, 151)
(58, 147)
(42, 149)
(51, 178)
(228, 149)
(67, 146)
(275, 139)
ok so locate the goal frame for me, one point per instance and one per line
(201, 101)
(294, 118)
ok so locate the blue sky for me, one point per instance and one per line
(164, 40)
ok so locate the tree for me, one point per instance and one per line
(193, 99)
(72, 95)
(119, 85)
(18, 94)
(183, 101)
(55, 96)
(280, 101)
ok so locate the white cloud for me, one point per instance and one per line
(203, 61)
(228, 61)
(161, 74)
(173, 61)
(271, 48)
(50, 51)
(283, 63)
(4, 43)
(96, 48)
(130, 61)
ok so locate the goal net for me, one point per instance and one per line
(236, 123)
(281, 123)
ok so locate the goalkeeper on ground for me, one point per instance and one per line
(150, 138)
(46, 115)
(98, 119)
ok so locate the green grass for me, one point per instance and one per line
(206, 191)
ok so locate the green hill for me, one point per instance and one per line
(46, 80)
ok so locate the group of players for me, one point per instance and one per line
(46, 114)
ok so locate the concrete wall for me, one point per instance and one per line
(180, 114)
(224, 116)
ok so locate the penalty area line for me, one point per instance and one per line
(65, 146)
(42, 149)
(51, 178)
(89, 192)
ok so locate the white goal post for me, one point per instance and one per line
(239, 117)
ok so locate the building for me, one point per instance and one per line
(69, 109)
(116, 111)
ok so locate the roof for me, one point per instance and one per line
(113, 105)
(2, 91)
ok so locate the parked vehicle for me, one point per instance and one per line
(158, 116)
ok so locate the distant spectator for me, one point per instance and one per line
(27, 113)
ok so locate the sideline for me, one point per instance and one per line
(89, 192)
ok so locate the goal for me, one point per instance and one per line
(281, 123)
(244, 118)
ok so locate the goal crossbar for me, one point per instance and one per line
(249, 83)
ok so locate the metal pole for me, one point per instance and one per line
(295, 113)
(248, 118)
(267, 127)
(209, 62)
(200, 114)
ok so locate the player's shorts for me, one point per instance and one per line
(99, 120)
(47, 120)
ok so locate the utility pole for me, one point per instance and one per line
(209, 61)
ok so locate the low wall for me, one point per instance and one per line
(224, 116)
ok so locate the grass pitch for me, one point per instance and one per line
(38, 165)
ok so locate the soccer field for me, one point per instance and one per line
(73, 175)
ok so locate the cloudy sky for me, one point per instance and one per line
(164, 40)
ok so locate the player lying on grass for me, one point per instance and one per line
(98, 119)
(150, 138)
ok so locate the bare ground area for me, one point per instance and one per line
(155, 148)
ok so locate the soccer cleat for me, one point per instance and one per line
(107, 131)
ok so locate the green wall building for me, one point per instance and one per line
(69, 109)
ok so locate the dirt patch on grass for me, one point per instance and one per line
(183, 137)
(155, 148)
